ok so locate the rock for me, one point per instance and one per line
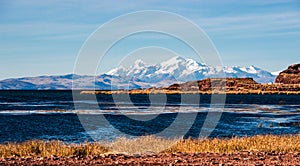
(289, 76)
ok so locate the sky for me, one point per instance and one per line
(45, 37)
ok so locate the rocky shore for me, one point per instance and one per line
(241, 158)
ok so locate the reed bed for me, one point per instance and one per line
(261, 143)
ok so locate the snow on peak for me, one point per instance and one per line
(196, 66)
(173, 61)
(275, 73)
(139, 63)
(228, 69)
(251, 69)
(141, 75)
(186, 70)
(116, 71)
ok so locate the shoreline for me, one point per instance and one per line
(212, 86)
(145, 92)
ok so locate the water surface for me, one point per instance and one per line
(26, 115)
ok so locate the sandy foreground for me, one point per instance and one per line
(241, 158)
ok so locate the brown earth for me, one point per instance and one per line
(242, 158)
(289, 76)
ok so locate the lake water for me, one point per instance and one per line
(26, 115)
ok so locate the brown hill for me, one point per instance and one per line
(208, 83)
(213, 86)
(289, 76)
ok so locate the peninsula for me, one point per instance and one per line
(287, 82)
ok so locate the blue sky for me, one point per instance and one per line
(44, 37)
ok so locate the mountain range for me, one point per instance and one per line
(140, 75)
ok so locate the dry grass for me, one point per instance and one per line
(268, 143)
(140, 145)
(52, 148)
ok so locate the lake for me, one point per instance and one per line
(55, 115)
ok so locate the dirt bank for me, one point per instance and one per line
(242, 158)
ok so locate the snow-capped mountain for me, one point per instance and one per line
(181, 70)
(140, 75)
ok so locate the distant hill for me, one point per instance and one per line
(103, 81)
(289, 76)
(140, 75)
